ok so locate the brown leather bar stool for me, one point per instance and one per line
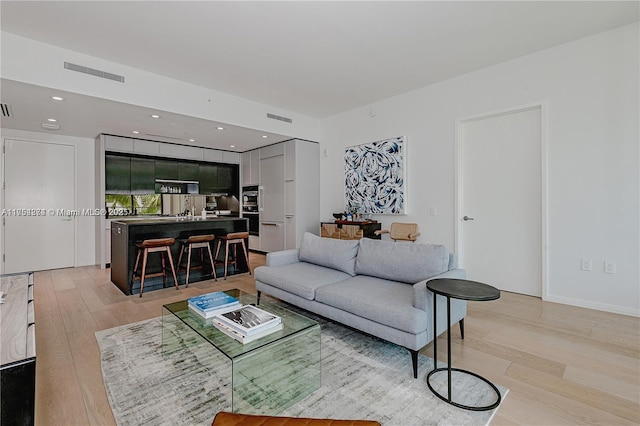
(159, 245)
(197, 242)
(233, 239)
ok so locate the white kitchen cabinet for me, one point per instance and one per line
(251, 168)
(302, 187)
(213, 155)
(254, 242)
(272, 150)
(245, 165)
(142, 146)
(272, 237)
(230, 157)
(271, 200)
(289, 193)
(118, 144)
(182, 151)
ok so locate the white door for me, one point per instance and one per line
(39, 179)
(500, 200)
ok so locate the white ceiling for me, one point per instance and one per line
(314, 58)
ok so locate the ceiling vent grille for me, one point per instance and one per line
(279, 118)
(49, 126)
(6, 110)
(163, 136)
(94, 72)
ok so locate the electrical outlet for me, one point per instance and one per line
(609, 267)
(433, 211)
(585, 264)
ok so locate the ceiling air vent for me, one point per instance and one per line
(163, 136)
(92, 71)
(279, 118)
(49, 126)
(6, 110)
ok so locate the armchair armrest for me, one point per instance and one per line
(284, 257)
(414, 235)
(381, 231)
(423, 298)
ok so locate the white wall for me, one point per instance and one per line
(591, 89)
(42, 64)
(84, 187)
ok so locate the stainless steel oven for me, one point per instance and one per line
(254, 222)
(250, 199)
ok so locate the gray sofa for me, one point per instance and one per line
(378, 287)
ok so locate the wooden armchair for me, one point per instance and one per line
(401, 231)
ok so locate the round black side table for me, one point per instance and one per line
(463, 290)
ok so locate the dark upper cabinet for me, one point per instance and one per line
(167, 169)
(143, 175)
(187, 171)
(225, 178)
(219, 179)
(117, 174)
(208, 177)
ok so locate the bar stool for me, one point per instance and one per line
(233, 239)
(159, 245)
(196, 242)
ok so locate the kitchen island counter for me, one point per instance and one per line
(125, 232)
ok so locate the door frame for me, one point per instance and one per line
(544, 213)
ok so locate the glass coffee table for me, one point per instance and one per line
(265, 376)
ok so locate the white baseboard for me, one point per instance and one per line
(593, 305)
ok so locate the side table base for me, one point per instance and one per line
(466, 407)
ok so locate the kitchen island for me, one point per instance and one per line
(126, 232)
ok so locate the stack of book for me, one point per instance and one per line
(247, 323)
(208, 305)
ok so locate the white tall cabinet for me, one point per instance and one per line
(289, 192)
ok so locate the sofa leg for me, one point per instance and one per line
(461, 323)
(414, 361)
(258, 298)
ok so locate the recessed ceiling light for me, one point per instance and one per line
(232, 146)
(135, 132)
(53, 120)
(265, 136)
(155, 116)
(192, 140)
(220, 128)
(57, 98)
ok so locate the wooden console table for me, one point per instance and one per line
(350, 230)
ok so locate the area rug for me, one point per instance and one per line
(362, 378)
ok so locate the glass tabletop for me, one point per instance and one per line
(292, 323)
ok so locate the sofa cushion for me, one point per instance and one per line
(300, 278)
(383, 301)
(329, 252)
(404, 262)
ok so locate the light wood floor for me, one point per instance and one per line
(563, 365)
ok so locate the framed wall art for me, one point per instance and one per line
(374, 175)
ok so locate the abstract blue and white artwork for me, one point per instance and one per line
(374, 175)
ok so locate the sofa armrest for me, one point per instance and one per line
(423, 298)
(284, 257)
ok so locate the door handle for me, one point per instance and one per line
(270, 224)
(467, 218)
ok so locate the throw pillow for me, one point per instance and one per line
(403, 262)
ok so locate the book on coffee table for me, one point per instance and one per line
(210, 304)
(246, 338)
(247, 320)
